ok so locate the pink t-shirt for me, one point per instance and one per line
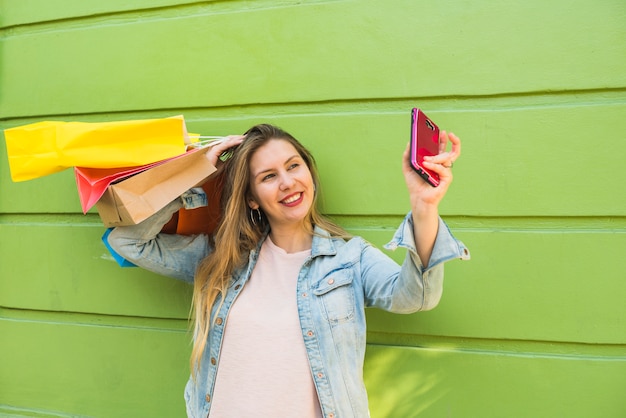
(263, 369)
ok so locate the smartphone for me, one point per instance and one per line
(424, 141)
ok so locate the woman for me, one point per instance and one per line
(280, 291)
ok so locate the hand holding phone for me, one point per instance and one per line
(424, 141)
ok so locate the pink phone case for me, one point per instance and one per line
(424, 141)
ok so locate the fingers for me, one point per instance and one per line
(219, 149)
(229, 142)
(446, 159)
(406, 165)
(443, 142)
(444, 172)
(441, 164)
(456, 145)
(411, 175)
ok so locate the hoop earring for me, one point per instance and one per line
(258, 216)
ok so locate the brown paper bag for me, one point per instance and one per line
(135, 199)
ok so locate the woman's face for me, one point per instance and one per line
(281, 184)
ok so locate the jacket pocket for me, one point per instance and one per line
(336, 295)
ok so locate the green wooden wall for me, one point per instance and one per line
(533, 326)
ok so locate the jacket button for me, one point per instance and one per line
(213, 361)
(331, 415)
(331, 281)
(219, 321)
(310, 333)
(207, 398)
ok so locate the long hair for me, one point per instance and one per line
(239, 231)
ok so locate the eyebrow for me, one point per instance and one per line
(271, 169)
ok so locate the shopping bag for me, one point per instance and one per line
(93, 182)
(116, 256)
(48, 147)
(136, 198)
(202, 220)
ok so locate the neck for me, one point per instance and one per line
(292, 240)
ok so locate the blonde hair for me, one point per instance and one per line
(237, 234)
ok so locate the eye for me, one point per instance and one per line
(294, 165)
(267, 177)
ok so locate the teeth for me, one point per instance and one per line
(293, 198)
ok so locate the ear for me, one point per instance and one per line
(253, 204)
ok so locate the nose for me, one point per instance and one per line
(286, 181)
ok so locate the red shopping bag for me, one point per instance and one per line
(93, 182)
(134, 199)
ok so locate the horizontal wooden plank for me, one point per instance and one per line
(428, 383)
(36, 11)
(528, 161)
(526, 285)
(95, 371)
(125, 371)
(310, 52)
(570, 283)
(67, 268)
(8, 411)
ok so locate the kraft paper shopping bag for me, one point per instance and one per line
(136, 198)
(93, 182)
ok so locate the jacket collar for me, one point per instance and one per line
(322, 243)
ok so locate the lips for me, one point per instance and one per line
(292, 199)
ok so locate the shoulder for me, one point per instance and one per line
(338, 251)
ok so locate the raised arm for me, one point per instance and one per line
(425, 198)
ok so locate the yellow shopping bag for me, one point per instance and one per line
(44, 148)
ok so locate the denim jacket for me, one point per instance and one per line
(335, 285)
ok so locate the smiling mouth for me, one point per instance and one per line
(292, 199)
